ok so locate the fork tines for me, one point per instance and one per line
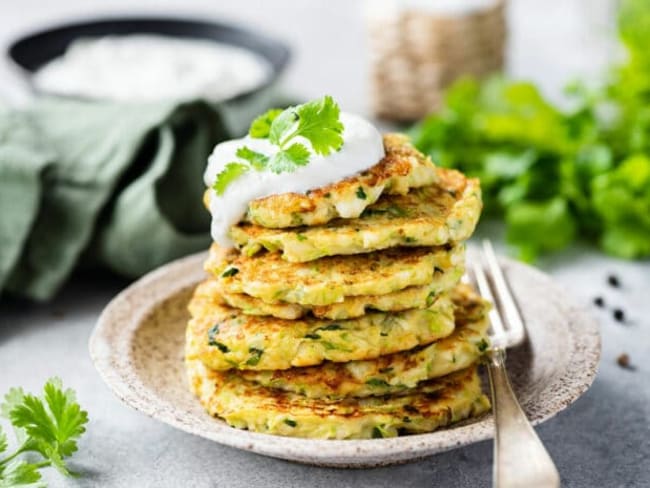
(507, 326)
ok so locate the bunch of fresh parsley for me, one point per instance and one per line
(47, 427)
(556, 176)
(316, 122)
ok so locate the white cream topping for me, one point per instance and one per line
(362, 148)
(147, 67)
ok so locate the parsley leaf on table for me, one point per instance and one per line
(3, 441)
(48, 425)
(20, 473)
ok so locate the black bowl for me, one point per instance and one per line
(32, 51)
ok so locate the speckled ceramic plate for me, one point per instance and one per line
(137, 347)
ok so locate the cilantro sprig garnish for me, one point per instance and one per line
(47, 426)
(317, 122)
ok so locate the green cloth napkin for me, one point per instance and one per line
(117, 184)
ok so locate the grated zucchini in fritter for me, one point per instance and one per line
(245, 405)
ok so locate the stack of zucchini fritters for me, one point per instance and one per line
(339, 314)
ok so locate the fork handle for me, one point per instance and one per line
(520, 459)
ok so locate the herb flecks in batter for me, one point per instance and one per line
(229, 272)
(256, 354)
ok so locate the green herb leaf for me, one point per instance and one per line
(261, 126)
(230, 173)
(290, 423)
(55, 424)
(20, 473)
(330, 346)
(379, 432)
(13, 398)
(377, 382)
(317, 121)
(49, 426)
(392, 211)
(290, 159)
(69, 420)
(232, 271)
(219, 345)
(256, 355)
(482, 345)
(3, 440)
(361, 194)
(213, 332)
(282, 127)
(330, 327)
(257, 160)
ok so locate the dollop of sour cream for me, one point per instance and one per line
(362, 148)
(148, 67)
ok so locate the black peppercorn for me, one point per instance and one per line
(613, 281)
(619, 315)
(599, 302)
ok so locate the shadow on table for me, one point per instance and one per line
(82, 288)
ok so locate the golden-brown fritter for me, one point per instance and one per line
(331, 280)
(442, 213)
(395, 373)
(223, 337)
(245, 405)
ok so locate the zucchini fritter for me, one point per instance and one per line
(210, 293)
(245, 405)
(396, 373)
(225, 338)
(403, 168)
(433, 215)
(332, 279)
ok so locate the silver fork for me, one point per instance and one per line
(520, 459)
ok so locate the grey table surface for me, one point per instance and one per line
(603, 440)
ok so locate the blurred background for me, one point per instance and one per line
(550, 41)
